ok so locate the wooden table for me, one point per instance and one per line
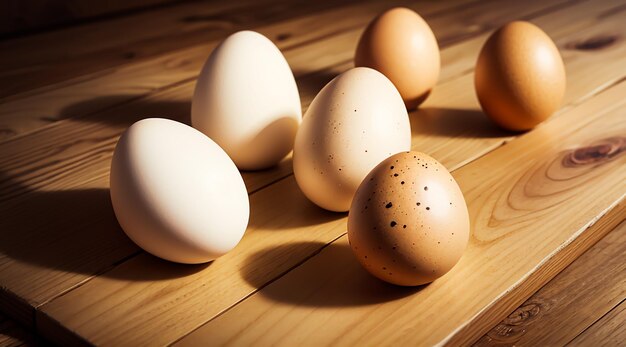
(75, 75)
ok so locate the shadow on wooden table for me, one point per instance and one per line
(124, 110)
(446, 122)
(332, 279)
(310, 83)
(284, 206)
(71, 231)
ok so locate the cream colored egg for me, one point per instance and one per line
(176, 193)
(356, 120)
(246, 100)
(408, 223)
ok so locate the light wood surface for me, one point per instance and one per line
(67, 269)
(577, 300)
(32, 166)
(319, 33)
(515, 194)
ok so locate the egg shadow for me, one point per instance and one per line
(124, 110)
(330, 277)
(278, 136)
(311, 83)
(448, 122)
(282, 205)
(74, 231)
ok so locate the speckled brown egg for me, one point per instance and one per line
(408, 223)
(519, 76)
(401, 45)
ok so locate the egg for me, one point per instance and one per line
(408, 223)
(519, 76)
(246, 100)
(176, 193)
(401, 45)
(355, 121)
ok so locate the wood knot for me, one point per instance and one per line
(524, 314)
(601, 151)
(594, 43)
(283, 37)
(514, 326)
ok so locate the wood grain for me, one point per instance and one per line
(42, 175)
(27, 16)
(57, 56)
(79, 161)
(108, 88)
(516, 197)
(53, 177)
(571, 302)
(608, 331)
(174, 101)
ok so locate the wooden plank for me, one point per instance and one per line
(88, 48)
(42, 173)
(284, 230)
(571, 302)
(516, 196)
(174, 101)
(608, 331)
(107, 88)
(12, 335)
(18, 17)
(82, 166)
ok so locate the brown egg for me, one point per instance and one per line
(401, 45)
(519, 76)
(408, 223)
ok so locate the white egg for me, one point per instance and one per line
(176, 193)
(357, 120)
(246, 100)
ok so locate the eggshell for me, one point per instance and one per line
(176, 193)
(408, 223)
(355, 121)
(246, 100)
(519, 76)
(401, 45)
